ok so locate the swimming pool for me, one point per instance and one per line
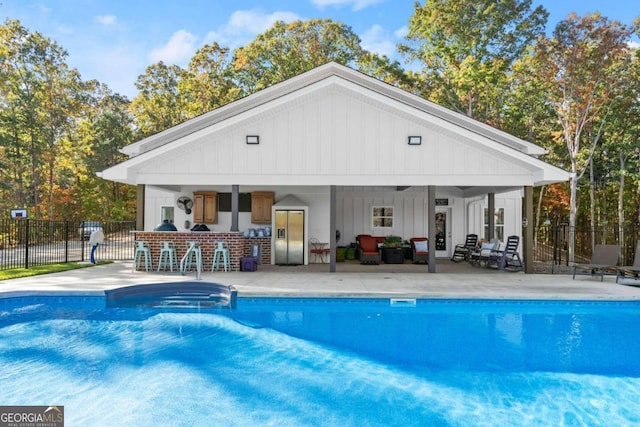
(346, 362)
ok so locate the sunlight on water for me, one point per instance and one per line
(184, 369)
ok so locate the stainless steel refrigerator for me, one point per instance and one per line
(289, 237)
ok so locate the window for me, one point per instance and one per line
(224, 202)
(382, 216)
(498, 231)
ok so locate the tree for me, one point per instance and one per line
(63, 96)
(526, 114)
(580, 68)
(288, 49)
(391, 72)
(94, 146)
(208, 82)
(468, 48)
(42, 97)
(19, 123)
(157, 106)
(621, 131)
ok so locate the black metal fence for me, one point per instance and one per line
(551, 243)
(25, 242)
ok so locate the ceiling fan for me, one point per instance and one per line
(185, 203)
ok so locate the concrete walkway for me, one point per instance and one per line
(302, 281)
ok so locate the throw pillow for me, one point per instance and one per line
(421, 246)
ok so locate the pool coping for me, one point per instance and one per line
(299, 283)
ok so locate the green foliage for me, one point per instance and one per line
(576, 94)
(467, 49)
(392, 241)
(42, 99)
(208, 83)
(37, 270)
(390, 72)
(288, 49)
(582, 68)
(157, 106)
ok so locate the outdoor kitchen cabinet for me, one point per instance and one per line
(205, 207)
(261, 203)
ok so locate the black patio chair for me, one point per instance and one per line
(462, 251)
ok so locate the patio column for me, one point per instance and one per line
(431, 228)
(235, 197)
(491, 212)
(140, 188)
(332, 228)
(527, 229)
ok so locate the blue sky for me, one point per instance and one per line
(114, 40)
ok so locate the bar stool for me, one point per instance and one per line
(193, 254)
(221, 258)
(167, 255)
(142, 249)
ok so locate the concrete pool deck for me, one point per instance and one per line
(304, 281)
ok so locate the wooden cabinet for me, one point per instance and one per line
(205, 207)
(261, 203)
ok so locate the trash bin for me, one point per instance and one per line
(249, 263)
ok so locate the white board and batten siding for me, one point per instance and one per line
(332, 136)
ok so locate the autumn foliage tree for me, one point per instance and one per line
(467, 49)
(580, 67)
(575, 93)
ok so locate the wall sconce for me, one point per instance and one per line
(415, 140)
(253, 139)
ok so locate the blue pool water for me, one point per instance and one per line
(342, 362)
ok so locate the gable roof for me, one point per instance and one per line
(345, 84)
(310, 77)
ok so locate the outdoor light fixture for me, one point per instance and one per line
(415, 140)
(253, 139)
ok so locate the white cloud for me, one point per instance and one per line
(244, 25)
(377, 39)
(179, 48)
(105, 19)
(357, 4)
(401, 32)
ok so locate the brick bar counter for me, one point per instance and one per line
(239, 246)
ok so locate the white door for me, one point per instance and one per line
(443, 233)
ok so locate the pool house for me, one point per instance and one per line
(324, 157)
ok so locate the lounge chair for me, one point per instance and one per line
(507, 258)
(480, 256)
(420, 249)
(462, 251)
(630, 271)
(603, 260)
(368, 250)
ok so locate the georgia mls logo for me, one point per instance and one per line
(31, 416)
(56, 410)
